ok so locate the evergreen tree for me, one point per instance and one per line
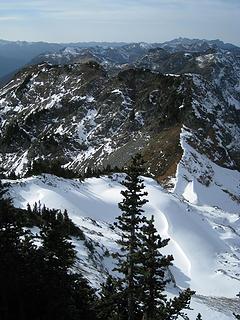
(36, 282)
(112, 304)
(3, 202)
(199, 317)
(152, 271)
(57, 248)
(66, 294)
(16, 249)
(83, 299)
(140, 262)
(129, 223)
(174, 307)
(152, 278)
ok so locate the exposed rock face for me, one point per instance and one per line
(85, 115)
(79, 114)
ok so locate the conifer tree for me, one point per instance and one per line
(174, 307)
(129, 223)
(152, 278)
(3, 202)
(36, 281)
(57, 248)
(199, 317)
(112, 304)
(152, 271)
(15, 248)
(142, 265)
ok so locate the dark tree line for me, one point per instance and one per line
(35, 271)
(39, 216)
(39, 166)
(56, 167)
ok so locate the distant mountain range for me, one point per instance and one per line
(16, 54)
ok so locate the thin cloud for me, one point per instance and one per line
(124, 20)
(10, 18)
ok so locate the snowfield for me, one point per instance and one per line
(205, 240)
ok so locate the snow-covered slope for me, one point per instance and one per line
(84, 118)
(205, 240)
(109, 56)
(203, 182)
(196, 45)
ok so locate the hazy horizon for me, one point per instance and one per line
(115, 42)
(119, 21)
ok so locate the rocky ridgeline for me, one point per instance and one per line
(79, 111)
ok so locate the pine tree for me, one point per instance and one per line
(16, 248)
(142, 265)
(3, 202)
(82, 299)
(112, 304)
(152, 277)
(36, 281)
(129, 223)
(65, 295)
(174, 307)
(57, 248)
(199, 317)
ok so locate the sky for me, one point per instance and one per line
(119, 20)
